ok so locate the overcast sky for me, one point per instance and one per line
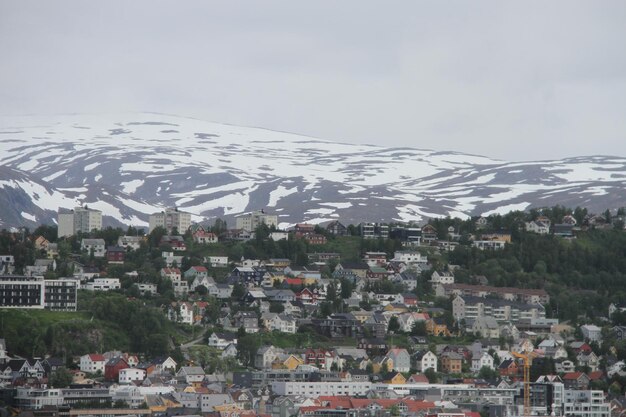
(511, 80)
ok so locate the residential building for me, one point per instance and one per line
(585, 403)
(401, 359)
(425, 360)
(81, 219)
(451, 362)
(250, 221)
(22, 292)
(205, 238)
(95, 246)
(116, 254)
(374, 230)
(92, 363)
(317, 389)
(103, 284)
(336, 228)
(526, 295)
(130, 375)
(484, 360)
(130, 242)
(501, 310)
(217, 261)
(113, 367)
(489, 244)
(170, 219)
(591, 332)
(221, 340)
(7, 264)
(60, 294)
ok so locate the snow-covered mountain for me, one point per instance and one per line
(131, 165)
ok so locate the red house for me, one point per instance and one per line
(116, 254)
(315, 239)
(508, 367)
(113, 367)
(308, 297)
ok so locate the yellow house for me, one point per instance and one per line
(398, 378)
(278, 278)
(385, 365)
(160, 403)
(362, 315)
(396, 309)
(227, 407)
(505, 237)
(292, 362)
(437, 327)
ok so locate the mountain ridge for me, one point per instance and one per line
(130, 165)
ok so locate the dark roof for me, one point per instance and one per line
(353, 265)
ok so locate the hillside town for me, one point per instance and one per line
(367, 320)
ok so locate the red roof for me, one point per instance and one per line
(572, 376)
(200, 268)
(96, 357)
(593, 376)
(419, 379)
(294, 281)
(348, 402)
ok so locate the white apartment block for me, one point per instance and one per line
(250, 221)
(129, 375)
(502, 310)
(147, 288)
(410, 258)
(81, 219)
(489, 244)
(103, 284)
(169, 219)
(317, 389)
(585, 404)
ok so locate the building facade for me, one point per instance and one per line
(169, 219)
(81, 219)
(250, 221)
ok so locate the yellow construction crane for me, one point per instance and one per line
(528, 360)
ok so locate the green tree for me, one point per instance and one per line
(61, 378)
(394, 325)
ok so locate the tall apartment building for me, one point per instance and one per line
(251, 221)
(60, 294)
(36, 292)
(21, 292)
(374, 230)
(169, 219)
(81, 219)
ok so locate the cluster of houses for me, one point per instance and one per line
(365, 374)
(318, 382)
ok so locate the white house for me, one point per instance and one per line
(425, 360)
(220, 291)
(591, 332)
(181, 313)
(97, 245)
(130, 375)
(441, 278)
(103, 284)
(283, 323)
(221, 340)
(147, 288)
(191, 374)
(132, 242)
(92, 363)
(410, 257)
(164, 365)
(480, 361)
(217, 261)
(538, 227)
